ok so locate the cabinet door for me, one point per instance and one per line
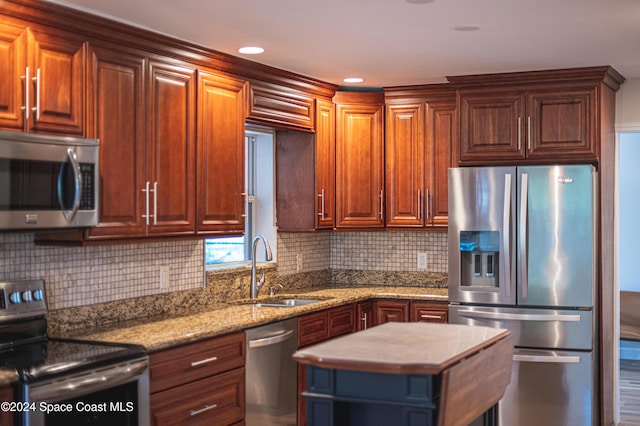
(57, 66)
(491, 126)
(364, 316)
(441, 144)
(341, 321)
(325, 164)
(359, 162)
(391, 311)
(405, 165)
(171, 149)
(221, 121)
(560, 124)
(13, 63)
(117, 114)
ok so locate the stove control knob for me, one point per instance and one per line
(15, 298)
(38, 294)
(26, 296)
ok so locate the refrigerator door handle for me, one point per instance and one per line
(524, 237)
(548, 358)
(506, 237)
(519, 317)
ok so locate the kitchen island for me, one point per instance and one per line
(409, 374)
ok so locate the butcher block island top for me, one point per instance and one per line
(465, 368)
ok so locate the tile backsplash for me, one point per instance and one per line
(79, 276)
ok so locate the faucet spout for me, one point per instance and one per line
(256, 284)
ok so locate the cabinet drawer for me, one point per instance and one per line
(429, 313)
(341, 321)
(217, 400)
(181, 365)
(312, 328)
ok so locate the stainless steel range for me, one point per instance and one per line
(65, 381)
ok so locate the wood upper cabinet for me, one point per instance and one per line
(405, 165)
(420, 148)
(117, 118)
(305, 174)
(220, 154)
(533, 117)
(171, 100)
(325, 164)
(42, 84)
(359, 160)
(279, 106)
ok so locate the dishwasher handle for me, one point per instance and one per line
(547, 358)
(271, 340)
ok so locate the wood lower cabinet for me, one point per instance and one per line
(359, 160)
(220, 154)
(365, 315)
(42, 79)
(6, 417)
(391, 311)
(536, 117)
(410, 311)
(199, 384)
(429, 312)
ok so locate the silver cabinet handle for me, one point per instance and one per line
(321, 195)
(271, 340)
(202, 410)
(506, 235)
(425, 316)
(364, 321)
(381, 203)
(419, 204)
(204, 361)
(529, 133)
(146, 202)
(426, 198)
(520, 317)
(36, 108)
(519, 133)
(524, 237)
(155, 203)
(27, 93)
(548, 358)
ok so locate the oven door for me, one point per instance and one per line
(116, 394)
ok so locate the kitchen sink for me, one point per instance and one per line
(286, 303)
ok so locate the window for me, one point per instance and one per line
(259, 207)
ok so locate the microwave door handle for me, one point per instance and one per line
(77, 175)
(506, 237)
(524, 237)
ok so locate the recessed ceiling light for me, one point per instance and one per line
(353, 80)
(251, 50)
(466, 28)
(419, 1)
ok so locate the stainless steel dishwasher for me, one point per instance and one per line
(271, 374)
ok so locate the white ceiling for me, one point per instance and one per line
(393, 42)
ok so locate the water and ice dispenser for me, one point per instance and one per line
(479, 258)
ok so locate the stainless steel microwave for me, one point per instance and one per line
(47, 181)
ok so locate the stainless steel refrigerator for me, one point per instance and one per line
(522, 256)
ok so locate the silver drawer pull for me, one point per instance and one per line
(202, 410)
(425, 316)
(204, 361)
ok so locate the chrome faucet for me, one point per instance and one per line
(256, 285)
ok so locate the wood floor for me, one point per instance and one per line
(629, 392)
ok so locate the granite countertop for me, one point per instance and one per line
(157, 333)
(402, 348)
